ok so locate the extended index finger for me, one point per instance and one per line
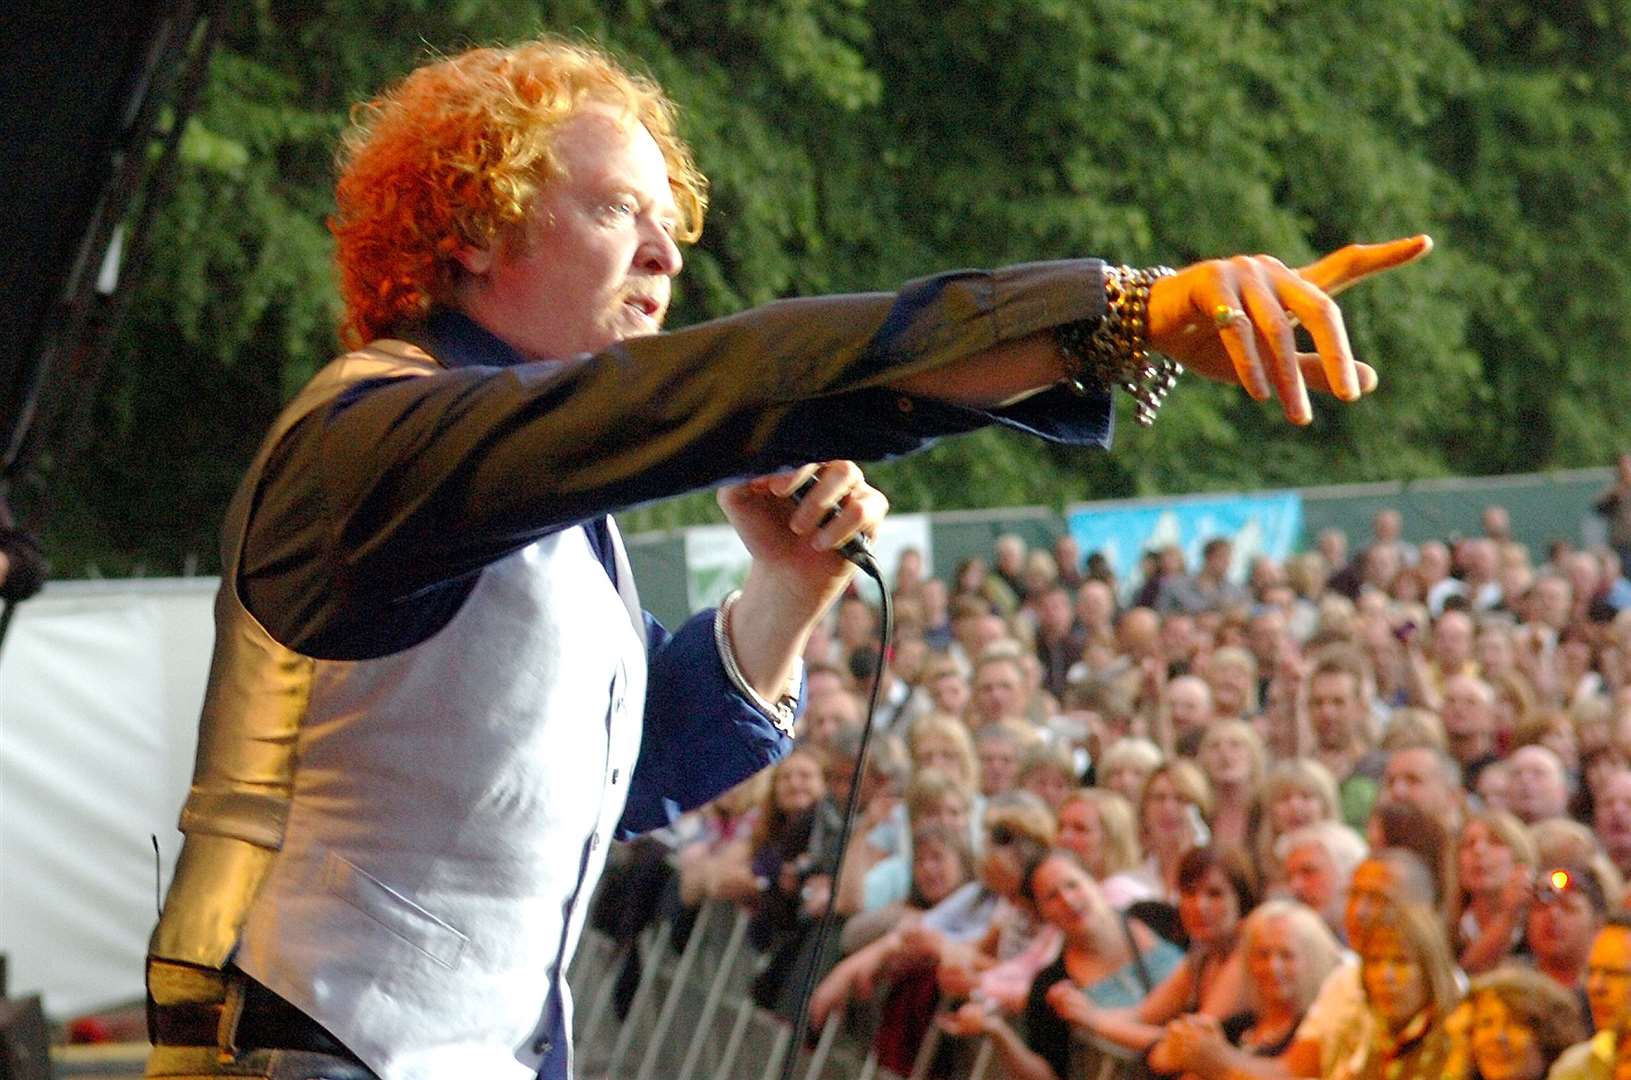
(1354, 263)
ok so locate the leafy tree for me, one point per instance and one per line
(853, 145)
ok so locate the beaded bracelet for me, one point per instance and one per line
(781, 712)
(1113, 350)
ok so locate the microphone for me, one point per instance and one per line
(855, 549)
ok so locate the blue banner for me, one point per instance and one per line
(1258, 525)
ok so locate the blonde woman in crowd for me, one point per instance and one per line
(1295, 793)
(943, 743)
(1289, 954)
(1495, 866)
(1231, 672)
(1172, 816)
(1232, 757)
(1126, 767)
(1097, 825)
(1409, 987)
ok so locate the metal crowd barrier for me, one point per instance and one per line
(692, 1017)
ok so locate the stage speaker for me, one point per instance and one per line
(25, 1050)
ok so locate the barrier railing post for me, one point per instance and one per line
(744, 1012)
(642, 997)
(602, 998)
(682, 971)
(823, 1047)
(778, 1050)
(716, 991)
(926, 1052)
(982, 1060)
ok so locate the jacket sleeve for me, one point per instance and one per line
(381, 499)
(701, 736)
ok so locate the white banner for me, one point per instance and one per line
(100, 687)
(716, 562)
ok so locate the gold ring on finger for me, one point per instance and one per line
(1225, 316)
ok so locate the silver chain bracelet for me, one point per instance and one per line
(1114, 350)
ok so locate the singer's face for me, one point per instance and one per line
(596, 256)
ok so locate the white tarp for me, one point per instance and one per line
(100, 685)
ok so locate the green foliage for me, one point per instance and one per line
(853, 145)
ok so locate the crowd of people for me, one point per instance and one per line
(1347, 814)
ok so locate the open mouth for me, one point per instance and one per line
(644, 306)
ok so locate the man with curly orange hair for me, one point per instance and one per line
(434, 697)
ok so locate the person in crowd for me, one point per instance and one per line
(723, 844)
(1614, 505)
(1520, 1024)
(1290, 952)
(1608, 991)
(1231, 755)
(1232, 674)
(825, 715)
(1127, 765)
(1410, 989)
(1433, 566)
(1109, 959)
(1189, 712)
(1295, 793)
(1427, 778)
(1339, 710)
(1158, 567)
(1209, 588)
(943, 743)
(1479, 562)
(1538, 786)
(1495, 867)
(1097, 825)
(942, 863)
(1018, 818)
(1555, 729)
(790, 868)
(857, 626)
(1611, 818)
(1493, 788)
(993, 965)
(1138, 640)
(944, 688)
(875, 876)
(1067, 557)
(1008, 562)
(866, 665)
(1319, 861)
(1096, 612)
(1000, 747)
(1570, 904)
(1216, 891)
(1468, 712)
(1000, 689)
(1048, 771)
(1059, 639)
(1173, 810)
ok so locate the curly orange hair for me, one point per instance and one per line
(454, 154)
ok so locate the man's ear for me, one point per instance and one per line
(475, 260)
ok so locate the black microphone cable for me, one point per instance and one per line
(857, 552)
